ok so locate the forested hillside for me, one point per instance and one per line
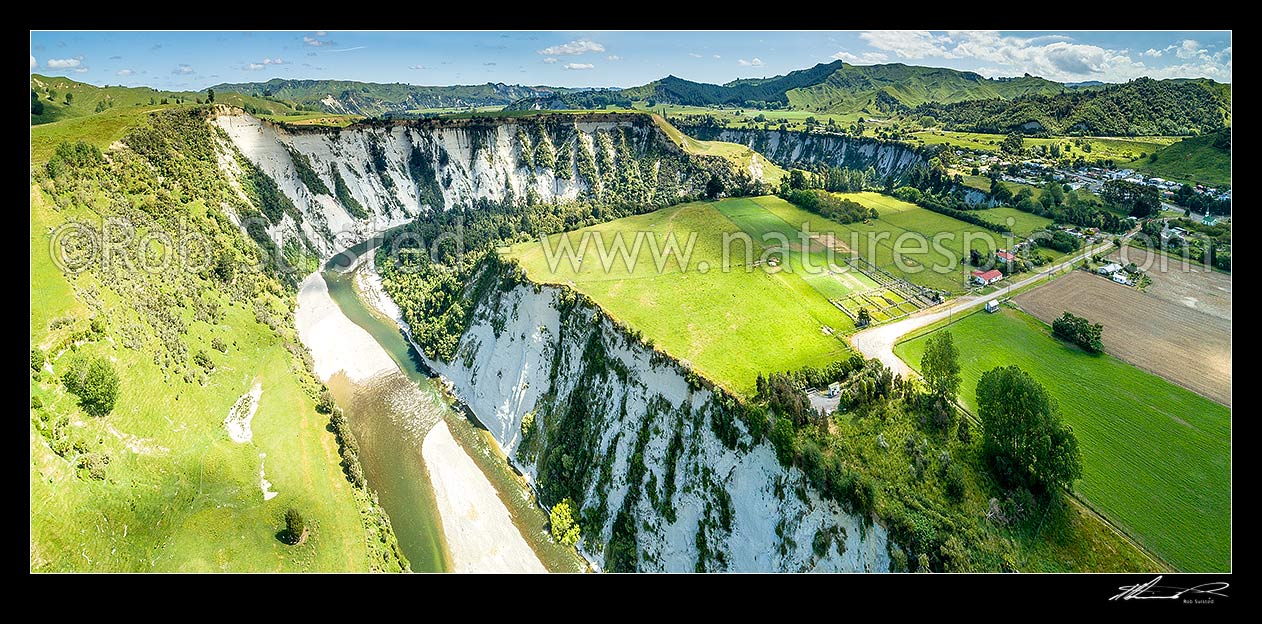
(1140, 107)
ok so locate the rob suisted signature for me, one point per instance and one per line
(1152, 591)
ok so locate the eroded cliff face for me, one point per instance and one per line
(663, 476)
(371, 177)
(798, 148)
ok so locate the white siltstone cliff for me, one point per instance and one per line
(533, 350)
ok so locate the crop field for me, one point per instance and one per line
(1177, 280)
(877, 239)
(730, 325)
(1170, 339)
(1156, 457)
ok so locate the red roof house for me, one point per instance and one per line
(1003, 255)
(987, 277)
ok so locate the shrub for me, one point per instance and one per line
(561, 520)
(295, 527)
(37, 358)
(955, 482)
(94, 381)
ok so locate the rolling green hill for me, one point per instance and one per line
(1140, 107)
(87, 99)
(841, 88)
(1202, 159)
(374, 98)
(882, 88)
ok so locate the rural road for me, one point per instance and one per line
(878, 342)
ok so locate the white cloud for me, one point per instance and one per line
(253, 67)
(349, 49)
(80, 70)
(312, 41)
(124, 72)
(579, 66)
(909, 44)
(34, 63)
(1190, 49)
(63, 63)
(578, 46)
(717, 56)
(549, 60)
(182, 69)
(1054, 57)
(755, 62)
(695, 55)
(418, 67)
(867, 58)
(613, 57)
(321, 33)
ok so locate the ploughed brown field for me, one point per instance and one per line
(1186, 346)
(1178, 281)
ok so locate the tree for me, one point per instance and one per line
(210, 96)
(1140, 200)
(1080, 331)
(865, 318)
(69, 99)
(1025, 442)
(295, 528)
(52, 95)
(94, 381)
(1012, 144)
(564, 529)
(714, 188)
(37, 107)
(940, 366)
(37, 358)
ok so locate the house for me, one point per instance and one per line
(1209, 220)
(1005, 256)
(834, 389)
(987, 277)
(1121, 279)
(992, 306)
(1109, 269)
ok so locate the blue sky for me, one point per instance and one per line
(195, 60)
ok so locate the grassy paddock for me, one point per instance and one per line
(1156, 457)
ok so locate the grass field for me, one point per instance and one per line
(1022, 223)
(1156, 457)
(740, 155)
(730, 325)
(1121, 150)
(877, 239)
(1194, 159)
(179, 494)
(742, 117)
(314, 119)
(100, 129)
(86, 98)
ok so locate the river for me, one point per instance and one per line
(481, 517)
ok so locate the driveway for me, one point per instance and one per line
(878, 342)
